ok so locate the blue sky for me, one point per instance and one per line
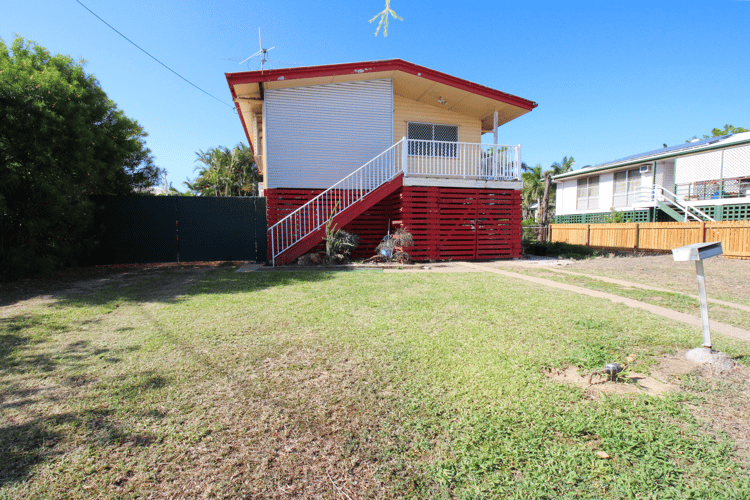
(611, 78)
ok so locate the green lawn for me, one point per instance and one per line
(208, 383)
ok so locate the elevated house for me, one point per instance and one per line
(705, 180)
(382, 144)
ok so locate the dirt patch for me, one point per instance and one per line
(721, 401)
(722, 405)
(726, 279)
(663, 378)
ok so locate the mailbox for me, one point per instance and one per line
(699, 252)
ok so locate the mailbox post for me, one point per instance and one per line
(699, 252)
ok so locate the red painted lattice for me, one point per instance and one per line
(446, 223)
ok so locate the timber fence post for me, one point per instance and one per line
(637, 236)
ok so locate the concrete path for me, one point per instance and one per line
(730, 330)
(249, 267)
(646, 287)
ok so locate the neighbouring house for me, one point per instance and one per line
(700, 180)
(383, 144)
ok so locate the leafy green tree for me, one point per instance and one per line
(615, 217)
(61, 141)
(717, 132)
(225, 172)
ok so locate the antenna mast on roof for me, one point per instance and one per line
(262, 52)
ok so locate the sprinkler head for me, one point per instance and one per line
(612, 369)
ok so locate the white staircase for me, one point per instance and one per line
(670, 203)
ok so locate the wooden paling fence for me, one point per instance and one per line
(657, 236)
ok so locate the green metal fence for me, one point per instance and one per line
(145, 229)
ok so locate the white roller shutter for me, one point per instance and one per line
(698, 167)
(319, 134)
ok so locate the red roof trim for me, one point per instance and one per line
(374, 67)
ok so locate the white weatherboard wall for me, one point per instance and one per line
(567, 191)
(318, 134)
(665, 174)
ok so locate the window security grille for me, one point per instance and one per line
(428, 139)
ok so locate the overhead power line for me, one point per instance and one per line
(152, 57)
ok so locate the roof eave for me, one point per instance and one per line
(246, 77)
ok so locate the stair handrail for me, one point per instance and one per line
(685, 208)
(314, 214)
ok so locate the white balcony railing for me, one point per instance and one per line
(463, 160)
(449, 160)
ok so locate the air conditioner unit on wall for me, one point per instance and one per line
(645, 169)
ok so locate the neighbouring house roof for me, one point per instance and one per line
(689, 148)
(409, 80)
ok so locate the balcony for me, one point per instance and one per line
(713, 190)
(461, 164)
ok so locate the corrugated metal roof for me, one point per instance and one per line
(669, 152)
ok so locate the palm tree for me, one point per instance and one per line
(247, 177)
(565, 166)
(550, 194)
(225, 172)
(533, 187)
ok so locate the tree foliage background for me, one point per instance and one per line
(535, 182)
(225, 172)
(717, 132)
(61, 141)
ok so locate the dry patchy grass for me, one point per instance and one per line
(202, 383)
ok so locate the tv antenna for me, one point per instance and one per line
(262, 53)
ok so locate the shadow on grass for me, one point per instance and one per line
(24, 446)
(16, 343)
(164, 285)
(17, 353)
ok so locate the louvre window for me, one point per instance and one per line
(627, 185)
(588, 193)
(428, 139)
